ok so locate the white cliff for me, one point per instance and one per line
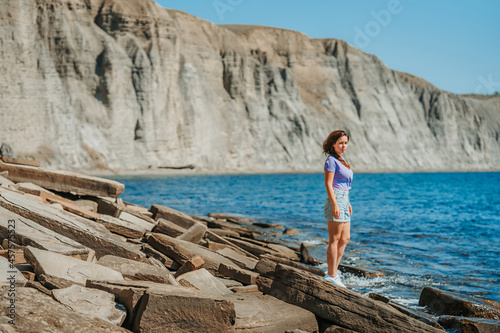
(127, 85)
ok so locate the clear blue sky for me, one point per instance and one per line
(454, 44)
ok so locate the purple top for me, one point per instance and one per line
(343, 176)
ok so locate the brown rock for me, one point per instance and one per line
(359, 272)
(181, 251)
(84, 231)
(448, 303)
(238, 274)
(192, 264)
(75, 209)
(243, 232)
(122, 227)
(20, 161)
(266, 314)
(45, 262)
(28, 232)
(240, 260)
(470, 325)
(195, 233)
(179, 218)
(168, 228)
(209, 235)
(36, 312)
(290, 232)
(378, 297)
(63, 181)
(339, 305)
(134, 270)
(92, 303)
(38, 286)
(250, 289)
(53, 282)
(166, 261)
(419, 315)
(225, 232)
(287, 262)
(202, 280)
(189, 310)
(306, 256)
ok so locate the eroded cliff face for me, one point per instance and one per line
(124, 85)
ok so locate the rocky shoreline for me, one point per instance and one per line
(76, 257)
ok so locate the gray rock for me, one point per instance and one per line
(10, 276)
(6, 150)
(92, 303)
(76, 270)
(134, 270)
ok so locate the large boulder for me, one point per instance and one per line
(180, 309)
(338, 305)
(449, 303)
(266, 314)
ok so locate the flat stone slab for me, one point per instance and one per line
(10, 275)
(336, 304)
(36, 312)
(239, 274)
(81, 230)
(181, 251)
(188, 309)
(172, 215)
(239, 259)
(134, 270)
(122, 227)
(267, 314)
(76, 270)
(92, 303)
(28, 232)
(63, 181)
(201, 279)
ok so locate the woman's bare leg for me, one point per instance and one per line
(344, 239)
(332, 253)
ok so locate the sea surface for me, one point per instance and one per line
(420, 229)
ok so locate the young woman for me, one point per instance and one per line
(338, 210)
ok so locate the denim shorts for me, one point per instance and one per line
(342, 198)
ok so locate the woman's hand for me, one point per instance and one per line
(350, 209)
(336, 211)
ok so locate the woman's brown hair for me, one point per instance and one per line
(328, 148)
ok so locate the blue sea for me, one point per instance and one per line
(420, 229)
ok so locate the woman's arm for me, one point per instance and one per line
(329, 191)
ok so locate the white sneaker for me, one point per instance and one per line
(335, 280)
